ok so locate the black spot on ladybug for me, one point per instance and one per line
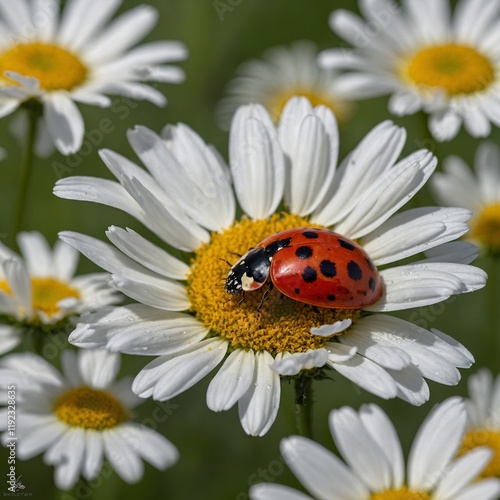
(309, 275)
(345, 244)
(304, 252)
(327, 268)
(330, 297)
(354, 271)
(297, 291)
(372, 284)
(310, 234)
(370, 264)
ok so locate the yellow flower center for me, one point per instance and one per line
(89, 408)
(46, 293)
(457, 69)
(55, 68)
(276, 103)
(401, 494)
(484, 437)
(281, 324)
(486, 227)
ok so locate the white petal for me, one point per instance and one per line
(339, 352)
(147, 254)
(64, 122)
(389, 193)
(382, 431)
(94, 451)
(459, 252)
(436, 442)
(268, 491)
(125, 462)
(170, 375)
(416, 285)
(488, 489)
(487, 166)
(258, 407)
(412, 387)
(40, 438)
(414, 231)
(150, 445)
(122, 34)
(257, 162)
(99, 367)
(367, 375)
(232, 380)
(329, 330)
(323, 474)
(480, 391)
(295, 363)
(36, 253)
(82, 19)
(376, 153)
(19, 283)
(444, 125)
(64, 261)
(462, 472)
(360, 450)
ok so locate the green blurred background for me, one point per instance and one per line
(218, 461)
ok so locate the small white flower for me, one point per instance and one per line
(185, 317)
(483, 418)
(283, 72)
(479, 193)
(40, 293)
(73, 57)
(80, 418)
(374, 467)
(425, 59)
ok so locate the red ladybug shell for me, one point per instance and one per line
(323, 268)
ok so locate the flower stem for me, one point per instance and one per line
(303, 405)
(34, 111)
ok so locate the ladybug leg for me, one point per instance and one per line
(242, 298)
(318, 312)
(237, 255)
(226, 261)
(265, 294)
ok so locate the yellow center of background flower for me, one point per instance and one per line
(55, 68)
(89, 408)
(401, 494)
(46, 293)
(484, 437)
(457, 69)
(277, 102)
(281, 324)
(486, 228)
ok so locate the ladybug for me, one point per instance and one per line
(310, 265)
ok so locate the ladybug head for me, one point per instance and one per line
(249, 273)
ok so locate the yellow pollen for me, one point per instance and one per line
(484, 437)
(401, 494)
(55, 68)
(46, 293)
(89, 408)
(486, 227)
(457, 69)
(276, 103)
(281, 324)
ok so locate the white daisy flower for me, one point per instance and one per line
(39, 293)
(479, 193)
(185, 317)
(73, 57)
(374, 467)
(80, 418)
(483, 418)
(283, 72)
(425, 59)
